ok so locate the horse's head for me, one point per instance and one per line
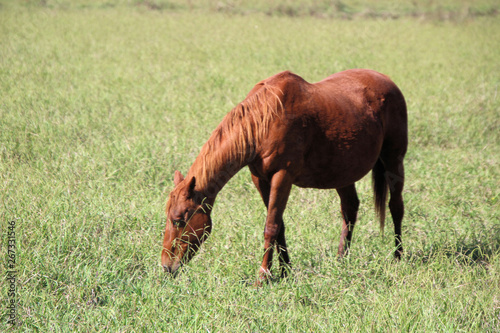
(188, 223)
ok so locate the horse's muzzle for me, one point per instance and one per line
(172, 270)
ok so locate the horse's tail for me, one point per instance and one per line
(380, 187)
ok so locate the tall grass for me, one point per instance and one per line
(100, 104)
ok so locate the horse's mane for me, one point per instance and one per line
(233, 143)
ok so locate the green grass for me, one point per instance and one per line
(100, 102)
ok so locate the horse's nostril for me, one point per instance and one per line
(167, 269)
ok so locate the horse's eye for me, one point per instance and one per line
(179, 222)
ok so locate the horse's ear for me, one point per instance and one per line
(178, 177)
(192, 184)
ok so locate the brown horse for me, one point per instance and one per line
(288, 131)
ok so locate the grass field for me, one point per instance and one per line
(100, 102)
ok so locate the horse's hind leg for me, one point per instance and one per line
(394, 175)
(349, 204)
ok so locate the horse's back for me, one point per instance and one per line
(364, 84)
(360, 77)
(353, 90)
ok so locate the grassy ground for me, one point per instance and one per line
(101, 102)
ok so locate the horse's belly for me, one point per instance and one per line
(335, 168)
(327, 180)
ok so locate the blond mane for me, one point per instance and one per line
(233, 143)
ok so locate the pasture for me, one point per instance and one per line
(100, 102)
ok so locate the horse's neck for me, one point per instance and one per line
(218, 161)
(235, 141)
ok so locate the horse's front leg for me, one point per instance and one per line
(274, 232)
